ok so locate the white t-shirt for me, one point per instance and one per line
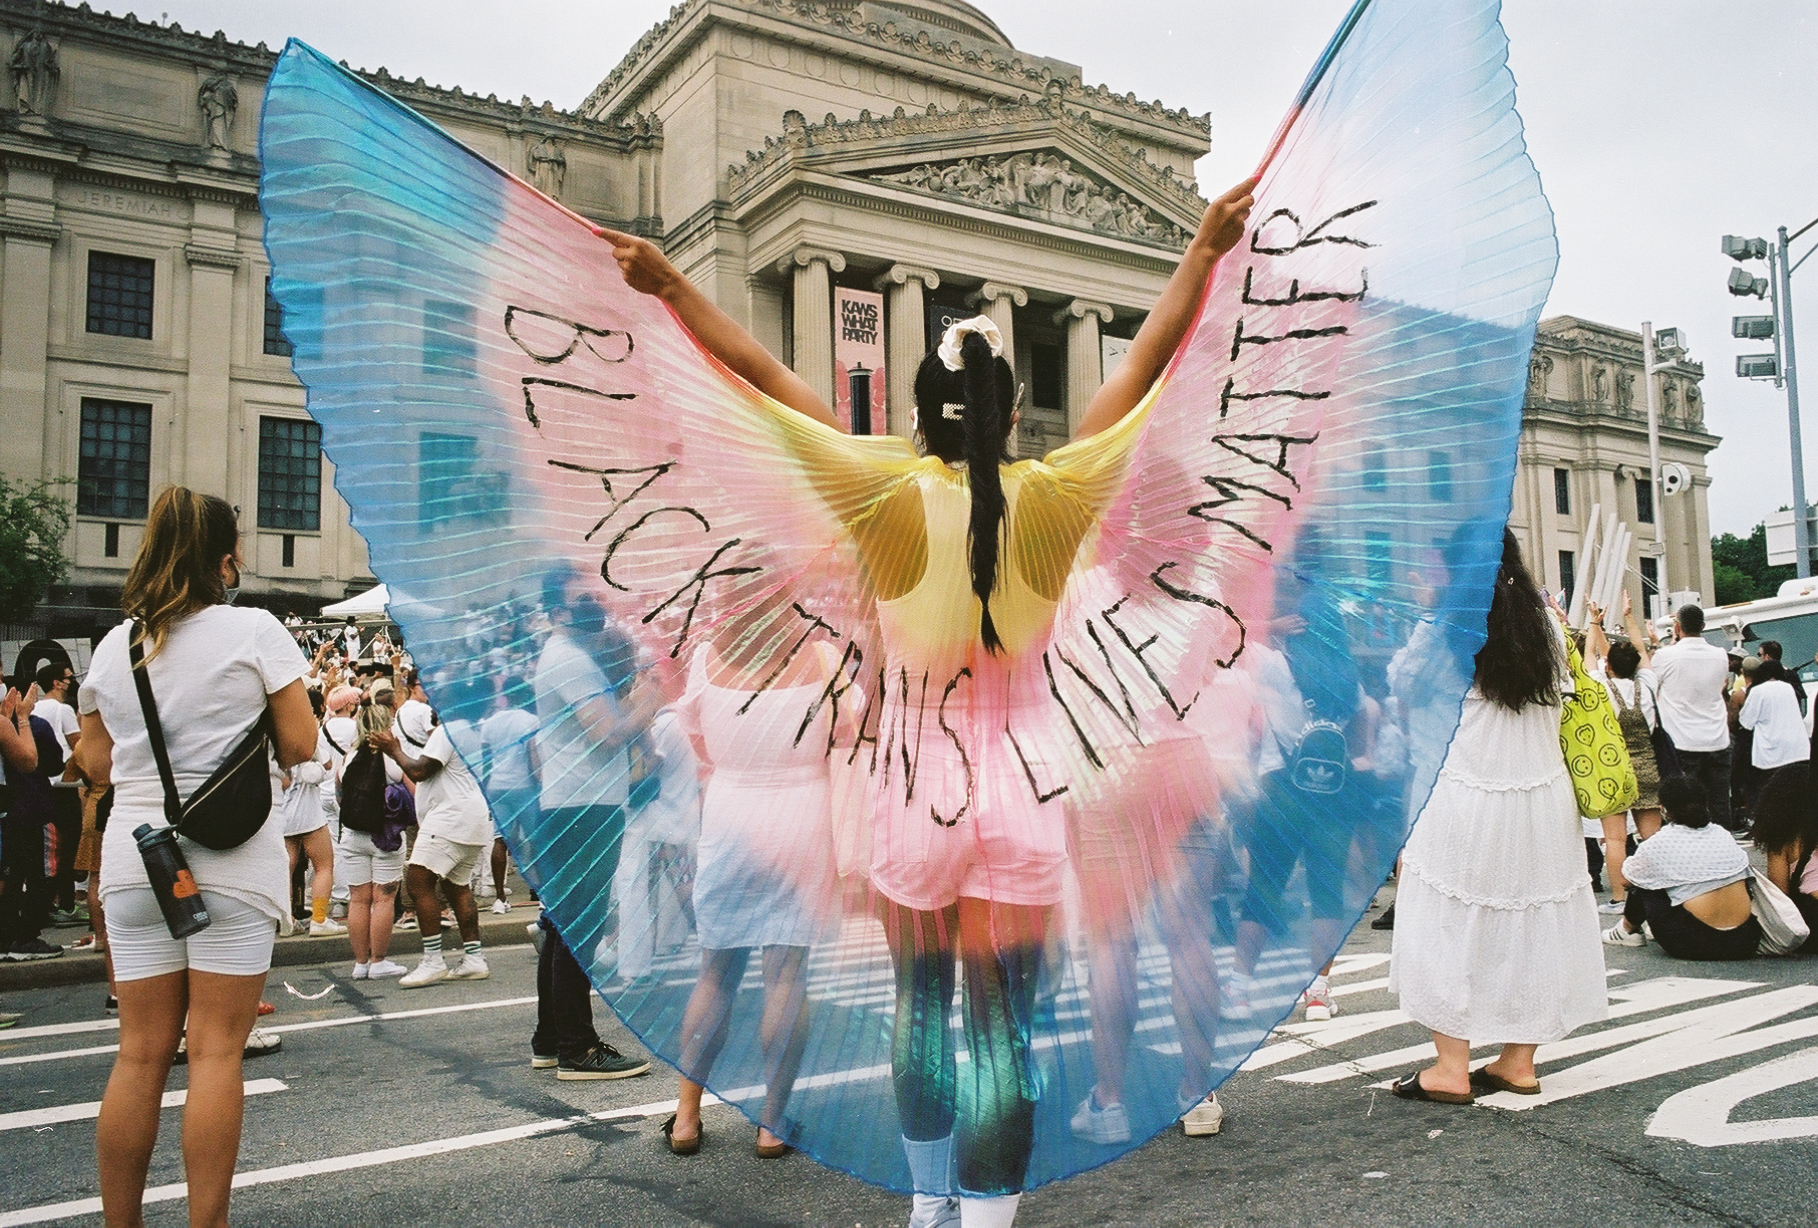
(1692, 673)
(413, 723)
(576, 771)
(1686, 862)
(450, 804)
(210, 684)
(1772, 711)
(60, 717)
(507, 738)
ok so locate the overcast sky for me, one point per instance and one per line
(1658, 125)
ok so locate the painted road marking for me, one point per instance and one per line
(339, 1021)
(61, 1029)
(33, 1118)
(48, 1212)
(1701, 1115)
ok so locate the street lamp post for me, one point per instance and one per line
(1781, 366)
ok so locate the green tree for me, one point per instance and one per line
(34, 520)
(1740, 567)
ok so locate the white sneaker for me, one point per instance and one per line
(1320, 1004)
(1201, 1118)
(500, 907)
(433, 968)
(259, 1042)
(472, 968)
(1107, 1126)
(326, 929)
(379, 969)
(361, 971)
(1617, 936)
(1234, 997)
(934, 1211)
(1613, 908)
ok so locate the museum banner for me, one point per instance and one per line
(858, 360)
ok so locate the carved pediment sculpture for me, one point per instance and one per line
(32, 68)
(1600, 376)
(1669, 395)
(1694, 412)
(1539, 367)
(1625, 390)
(219, 100)
(1041, 185)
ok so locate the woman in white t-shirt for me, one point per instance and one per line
(213, 669)
(1629, 679)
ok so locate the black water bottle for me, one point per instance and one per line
(175, 887)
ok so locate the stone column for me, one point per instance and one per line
(1085, 366)
(811, 268)
(905, 338)
(209, 431)
(25, 325)
(997, 301)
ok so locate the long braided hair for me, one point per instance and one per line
(966, 416)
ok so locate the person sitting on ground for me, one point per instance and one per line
(1689, 884)
(1786, 832)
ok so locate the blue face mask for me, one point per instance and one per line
(230, 593)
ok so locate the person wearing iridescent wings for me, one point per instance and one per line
(968, 557)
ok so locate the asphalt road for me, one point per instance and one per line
(1695, 1106)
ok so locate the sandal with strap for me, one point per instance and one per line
(1487, 1081)
(682, 1146)
(1409, 1087)
(770, 1151)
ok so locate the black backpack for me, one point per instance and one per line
(363, 792)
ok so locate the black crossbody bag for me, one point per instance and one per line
(233, 804)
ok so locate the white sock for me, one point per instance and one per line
(930, 1164)
(1320, 987)
(997, 1212)
(360, 970)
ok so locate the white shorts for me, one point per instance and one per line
(446, 858)
(358, 861)
(237, 942)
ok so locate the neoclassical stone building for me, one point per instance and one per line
(1584, 444)
(842, 177)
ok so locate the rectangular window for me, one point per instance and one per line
(1644, 501)
(448, 338)
(120, 295)
(1439, 477)
(290, 550)
(113, 469)
(275, 340)
(1378, 556)
(1376, 470)
(1650, 583)
(290, 474)
(1047, 368)
(110, 541)
(1562, 491)
(1568, 573)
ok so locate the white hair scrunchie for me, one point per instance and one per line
(951, 340)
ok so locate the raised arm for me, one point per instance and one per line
(1219, 230)
(1636, 635)
(648, 271)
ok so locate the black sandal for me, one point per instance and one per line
(682, 1146)
(1486, 1081)
(1409, 1087)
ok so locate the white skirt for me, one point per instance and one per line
(1496, 934)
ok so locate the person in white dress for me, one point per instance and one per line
(1496, 937)
(759, 885)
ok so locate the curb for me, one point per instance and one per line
(72, 968)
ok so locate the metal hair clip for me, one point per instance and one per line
(1017, 404)
(953, 409)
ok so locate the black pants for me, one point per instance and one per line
(1711, 768)
(25, 900)
(1684, 936)
(564, 1001)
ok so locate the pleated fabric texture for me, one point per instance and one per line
(1238, 627)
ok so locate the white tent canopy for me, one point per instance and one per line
(370, 603)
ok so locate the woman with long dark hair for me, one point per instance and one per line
(968, 560)
(213, 670)
(1496, 936)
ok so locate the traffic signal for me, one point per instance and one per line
(1744, 283)
(1738, 248)
(1757, 366)
(1752, 328)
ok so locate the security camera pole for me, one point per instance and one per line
(1649, 366)
(1780, 365)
